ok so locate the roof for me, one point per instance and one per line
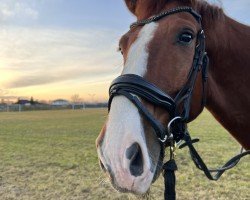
(61, 100)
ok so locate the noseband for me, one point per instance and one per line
(132, 86)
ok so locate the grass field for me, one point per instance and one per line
(51, 155)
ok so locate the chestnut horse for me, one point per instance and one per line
(162, 53)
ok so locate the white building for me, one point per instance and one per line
(60, 102)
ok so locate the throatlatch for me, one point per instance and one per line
(134, 87)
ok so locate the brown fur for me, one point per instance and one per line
(229, 81)
(146, 8)
(228, 47)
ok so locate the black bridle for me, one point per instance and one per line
(134, 87)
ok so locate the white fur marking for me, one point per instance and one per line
(138, 53)
(124, 126)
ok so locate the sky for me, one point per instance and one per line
(53, 49)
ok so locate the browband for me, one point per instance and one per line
(166, 13)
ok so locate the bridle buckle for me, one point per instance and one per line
(170, 136)
(172, 121)
(167, 137)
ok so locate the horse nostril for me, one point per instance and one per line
(134, 154)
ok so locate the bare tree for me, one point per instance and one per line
(77, 101)
(76, 98)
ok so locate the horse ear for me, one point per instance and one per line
(131, 4)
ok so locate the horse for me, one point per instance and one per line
(159, 51)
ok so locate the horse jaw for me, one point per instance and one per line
(124, 126)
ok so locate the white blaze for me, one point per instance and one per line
(138, 53)
(124, 126)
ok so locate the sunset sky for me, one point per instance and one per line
(56, 48)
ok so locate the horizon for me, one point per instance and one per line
(14, 99)
(55, 49)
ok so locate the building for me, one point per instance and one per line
(23, 102)
(60, 102)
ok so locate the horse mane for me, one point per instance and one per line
(209, 12)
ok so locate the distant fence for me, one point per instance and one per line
(21, 108)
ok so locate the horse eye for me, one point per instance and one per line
(186, 38)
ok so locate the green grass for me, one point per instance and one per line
(51, 155)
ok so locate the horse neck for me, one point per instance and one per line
(228, 46)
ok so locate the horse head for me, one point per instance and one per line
(162, 52)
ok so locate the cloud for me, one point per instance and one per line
(14, 10)
(32, 57)
(49, 56)
(56, 76)
(7, 94)
(3, 92)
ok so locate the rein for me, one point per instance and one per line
(134, 87)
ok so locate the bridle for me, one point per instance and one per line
(134, 87)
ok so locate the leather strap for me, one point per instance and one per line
(130, 85)
(134, 87)
(199, 163)
(167, 13)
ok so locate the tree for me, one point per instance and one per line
(2, 101)
(76, 98)
(32, 101)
